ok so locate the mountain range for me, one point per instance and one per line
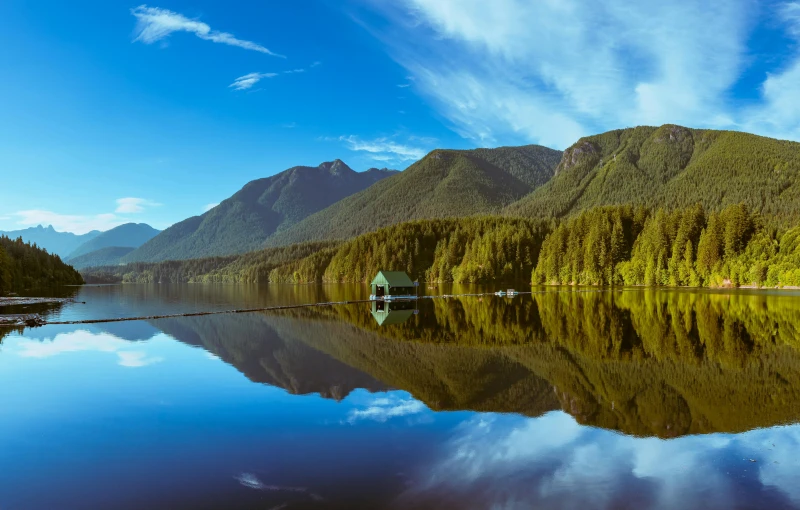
(262, 207)
(668, 166)
(91, 249)
(443, 183)
(129, 235)
(58, 243)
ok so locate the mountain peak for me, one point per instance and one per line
(335, 167)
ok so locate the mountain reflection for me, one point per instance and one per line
(644, 362)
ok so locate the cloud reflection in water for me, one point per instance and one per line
(503, 461)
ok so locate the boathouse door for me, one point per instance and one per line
(380, 291)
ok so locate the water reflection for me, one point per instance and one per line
(703, 386)
(387, 313)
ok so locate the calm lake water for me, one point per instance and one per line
(565, 398)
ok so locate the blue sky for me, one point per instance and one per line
(113, 112)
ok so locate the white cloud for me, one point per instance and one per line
(134, 205)
(248, 80)
(549, 72)
(208, 207)
(154, 24)
(135, 359)
(403, 85)
(383, 149)
(381, 409)
(85, 341)
(77, 224)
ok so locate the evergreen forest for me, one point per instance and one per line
(26, 266)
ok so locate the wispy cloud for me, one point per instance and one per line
(514, 71)
(134, 205)
(383, 149)
(776, 115)
(77, 224)
(208, 207)
(248, 80)
(154, 24)
(403, 85)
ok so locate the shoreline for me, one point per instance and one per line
(15, 301)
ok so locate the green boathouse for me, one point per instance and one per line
(392, 284)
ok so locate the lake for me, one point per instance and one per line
(565, 398)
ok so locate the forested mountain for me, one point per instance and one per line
(109, 256)
(129, 235)
(25, 266)
(444, 183)
(672, 167)
(468, 250)
(243, 222)
(59, 243)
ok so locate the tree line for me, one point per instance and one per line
(615, 245)
(26, 266)
(682, 247)
(253, 267)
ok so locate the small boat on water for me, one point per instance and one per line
(508, 293)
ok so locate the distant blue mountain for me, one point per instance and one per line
(58, 243)
(129, 235)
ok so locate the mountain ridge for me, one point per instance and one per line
(671, 166)
(127, 235)
(444, 183)
(261, 207)
(48, 238)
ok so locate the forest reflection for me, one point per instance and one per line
(644, 362)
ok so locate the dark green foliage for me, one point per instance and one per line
(468, 250)
(305, 270)
(129, 235)
(681, 247)
(26, 266)
(244, 221)
(253, 267)
(673, 167)
(445, 183)
(109, 256)
(587, 249)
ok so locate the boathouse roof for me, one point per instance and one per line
(392, 279)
